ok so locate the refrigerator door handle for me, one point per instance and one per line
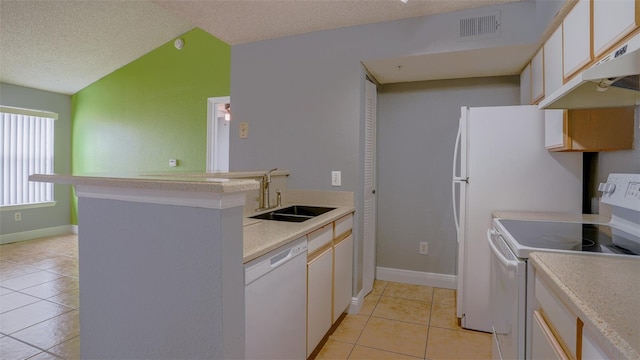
(455, 153)
(456, 179)
(455, 210)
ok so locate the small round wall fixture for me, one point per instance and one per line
(179, 44)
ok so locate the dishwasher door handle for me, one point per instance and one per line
(281, 258)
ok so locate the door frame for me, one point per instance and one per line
(213, 161)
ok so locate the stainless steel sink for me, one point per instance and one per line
(295, 213)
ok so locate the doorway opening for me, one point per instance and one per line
(218, 125)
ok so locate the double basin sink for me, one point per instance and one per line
(295, 213)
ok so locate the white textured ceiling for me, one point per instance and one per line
(452, 65)
(242, 21)
(65, 45)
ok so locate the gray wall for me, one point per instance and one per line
(303, 96)
(58, 215)
(417, 126)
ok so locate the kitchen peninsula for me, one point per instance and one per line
(161, 265)
(162, 259)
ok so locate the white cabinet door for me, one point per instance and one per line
(525, 86)
(590, 350)
(537, 76)
(554, 129)
(577, 37)
(319, 273)
(563, 321)
(613, 20)
(544, 344)
(553, 78)
(342, 276)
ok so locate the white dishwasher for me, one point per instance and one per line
(276, 303)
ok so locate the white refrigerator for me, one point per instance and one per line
(500, 163)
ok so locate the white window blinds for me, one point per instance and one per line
(26, 148)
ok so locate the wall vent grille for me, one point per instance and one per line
(480, 27)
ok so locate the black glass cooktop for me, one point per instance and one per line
(571, 236)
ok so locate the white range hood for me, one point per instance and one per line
(611, 82)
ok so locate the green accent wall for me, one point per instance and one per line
(153, 109)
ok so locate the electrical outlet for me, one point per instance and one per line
(17, 216)
(244, 130)
(424, 248)
(173, 162)
(336, 178)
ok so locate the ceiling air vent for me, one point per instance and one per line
(480, 27)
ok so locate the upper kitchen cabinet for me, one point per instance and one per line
(576, 44)
(553, 62)
(525, 85)
(589, 129)
(612, 21)
(537, 77)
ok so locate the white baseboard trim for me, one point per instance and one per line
(357, 302)
(34, 234)
(417, 277)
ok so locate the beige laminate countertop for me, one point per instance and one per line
(603, 291)
(202, 183)
(262, 236)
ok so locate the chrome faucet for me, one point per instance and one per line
(265, 203)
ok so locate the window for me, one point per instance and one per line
(26, 147)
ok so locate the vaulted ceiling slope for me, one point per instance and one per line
(64, 46)
(243, 21)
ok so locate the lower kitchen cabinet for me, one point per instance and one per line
(342, 275)
(589, 129)
(329, 278)
(319, 277)
(544, 343)
(557, 333)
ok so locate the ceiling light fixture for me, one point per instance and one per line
(227, 109)
(404, 1)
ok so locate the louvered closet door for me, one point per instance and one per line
(369, 208)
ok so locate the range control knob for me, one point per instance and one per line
(607, 188)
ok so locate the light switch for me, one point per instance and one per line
(244, 130)
(336, 178)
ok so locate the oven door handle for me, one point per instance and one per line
(493, 236)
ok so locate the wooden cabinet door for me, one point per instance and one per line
(553, 75)
(525, 86)
(319, 298)
(537, 77)
(342, 276)
(576, 44)
(612, 21)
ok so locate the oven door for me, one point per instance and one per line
(508, 292)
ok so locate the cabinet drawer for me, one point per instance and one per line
(343, 225)
(319, 238)
(564, 323)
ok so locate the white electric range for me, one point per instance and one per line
(511, 241)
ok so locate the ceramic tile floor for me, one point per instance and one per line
(39, 299)
(401, 321)
(39, 316)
